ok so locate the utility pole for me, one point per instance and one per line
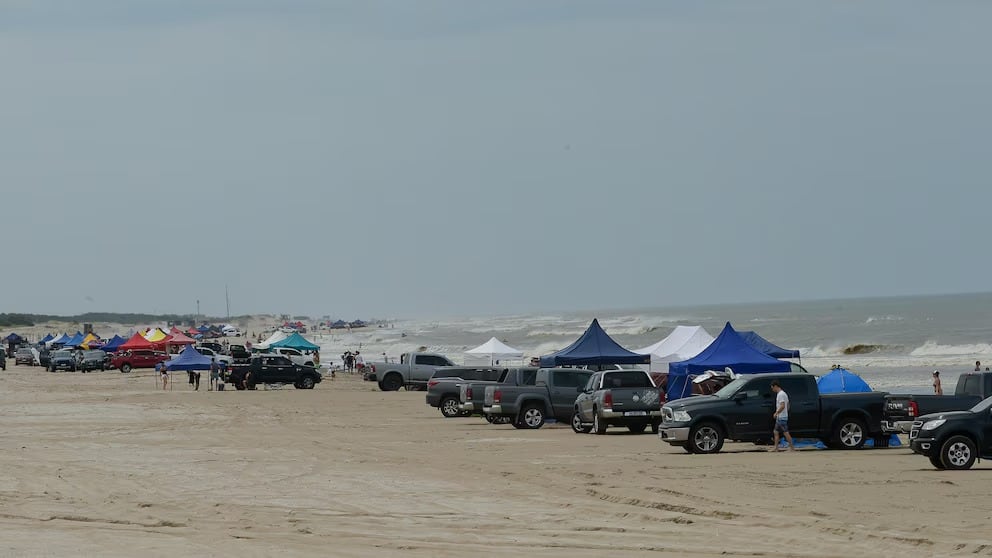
(228, 298)
(196, 318)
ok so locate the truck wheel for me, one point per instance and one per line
(532, 416)
(598, 426)
(392, 382)
(489, 418)
(655, 425)
(577, 425)
(958, 453)
(936, 462)
(125, 368)
(637, 428)
(449, 407)
(307, 382)
(705, 438)
(849, 433)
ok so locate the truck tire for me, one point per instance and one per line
(705, 437)
(577, 425)
(958, 453)
(849, 434)
(489, 418)
(449, 407)
(655, 426)
(306, 382)
(637, 428)
(125, 368)
(531, 416)
(936, 462)
(598, 426)
(392, 382)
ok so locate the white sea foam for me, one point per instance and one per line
(934, 349)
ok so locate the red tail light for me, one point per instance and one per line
(431, 384)
(914, 409)
(468, 393)
(497, 396)
(608, 400)
(372, 366)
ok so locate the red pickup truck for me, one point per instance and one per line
(137, 358)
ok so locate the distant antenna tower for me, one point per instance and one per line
(227, 297)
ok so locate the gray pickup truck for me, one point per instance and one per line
(444, 386)
(617, 398)
(552, 395)
(413, 371)
(472, 395)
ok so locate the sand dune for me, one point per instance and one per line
(106, 464)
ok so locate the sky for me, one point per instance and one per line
(449, 157)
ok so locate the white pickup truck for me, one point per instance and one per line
(294, 355)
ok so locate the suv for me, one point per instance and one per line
(238, 352)
(44, 357)
(24, 355)
(93, 360)
(955, 439)
(294, 355)
(137, 358)
(63, 359)
(217, 347)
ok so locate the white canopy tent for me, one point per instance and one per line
(60, 338)
(681, 344)
(277, 335)
(494, 350)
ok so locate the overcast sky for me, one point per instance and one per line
(405, 159)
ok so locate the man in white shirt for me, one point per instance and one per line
(781, 415)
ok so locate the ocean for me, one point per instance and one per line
(893, 343)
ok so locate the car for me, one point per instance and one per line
(62, 359)
(617, 398)
(44, 357)
(93, 360)
(293, 354)
(955, 439)
(901, 411)
(24, 355)
(208, 352)
(272, 369)
(232, 332)
(412, 371)
(444, 386)
(215, 346)
(137, 358)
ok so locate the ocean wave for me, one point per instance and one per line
(863, 349)
(873, 319)
(934, 349)
(853, 349)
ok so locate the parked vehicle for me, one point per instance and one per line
(293, 354)
(955, 439)
(231, 332)
(239, 353)
(215, 346)
(272, 369)
(24, 355)
(221, 358)
(44, 357)
(62, 359)
(743, 410)
(412, 371)
(3, 361)
(444, 386)
(472, 396)
(901, 411)
(617, 398)
(552, 395)
(128, 360)
(93, 360)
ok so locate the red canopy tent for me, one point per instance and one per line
(138, 342)
(178, 338)
(193, 331)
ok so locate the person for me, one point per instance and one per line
(190, 374)
(359, 361)
(781, 415)
(937, 390)
(165, 375)
(978, 366)
(316, 359)
(214, 373)
(196, 380)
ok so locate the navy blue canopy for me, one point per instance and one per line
(13, 338)
(593, 347)
(46, 339)
(766, 346)
(189, 359)
(114, 344)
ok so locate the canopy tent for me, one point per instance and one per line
(137, 341)
(203, 328)
(683, 343)
(766, 346)
(58, 339)
(494, 349)
(156, 335)
(192, 331)
(276, 336)
(593, 347)
(46, 339)
(840, 380)
(189, 359)
(73, 341)
(13, 338)
(91, 341)
(180, 338)
(115, 342)
(728, 350)
(296, 341)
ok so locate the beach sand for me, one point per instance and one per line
(106, 464)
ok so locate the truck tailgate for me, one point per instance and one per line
(635, 401)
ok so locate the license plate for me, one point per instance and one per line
(635, 413)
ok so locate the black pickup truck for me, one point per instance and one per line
(743, 411)
(272, 369)
(954, 440)
(902, 410)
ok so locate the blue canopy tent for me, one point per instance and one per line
(766, 346)
(728, 350)
(296, 341)
(46, 339)
(13, 338)
(593, 347)
(115, 343)
(74, 341)
(840, 380)
(189, 359)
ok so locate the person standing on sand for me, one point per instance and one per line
(165, 376)
(781, 415)
(937, 390)
(214, 373)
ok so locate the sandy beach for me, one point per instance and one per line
(106, 464)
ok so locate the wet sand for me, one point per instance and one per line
(107, 464)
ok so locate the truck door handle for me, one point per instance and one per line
(807, 404)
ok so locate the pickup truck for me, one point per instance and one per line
(272, 369)
(93, 360)
(444, 386)
(63, 359)
(412, 371)
(553, 394)
(294, 355)
(137, 358)
(902, 410)
(472, 396)
(617, 398)
(209, 352)
(743, 410)
(955, 439)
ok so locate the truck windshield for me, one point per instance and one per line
(983, 405)
(631, 379)
(731, 388)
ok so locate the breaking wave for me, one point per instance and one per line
(863, 349)
(932, 349)
(873, 319)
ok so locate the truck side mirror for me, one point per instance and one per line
(580, 389)
(740, 396)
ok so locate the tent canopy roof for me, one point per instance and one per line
(137, 341)
(593, 347)
(495, 348)
(766, 346)
(684, 342)
(729, 350)
(189, 359)
(840, 380)
(296, 341)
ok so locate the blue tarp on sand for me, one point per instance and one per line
(766, 346)
(593, 347)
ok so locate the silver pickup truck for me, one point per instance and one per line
(412, 371)
(617, 398)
